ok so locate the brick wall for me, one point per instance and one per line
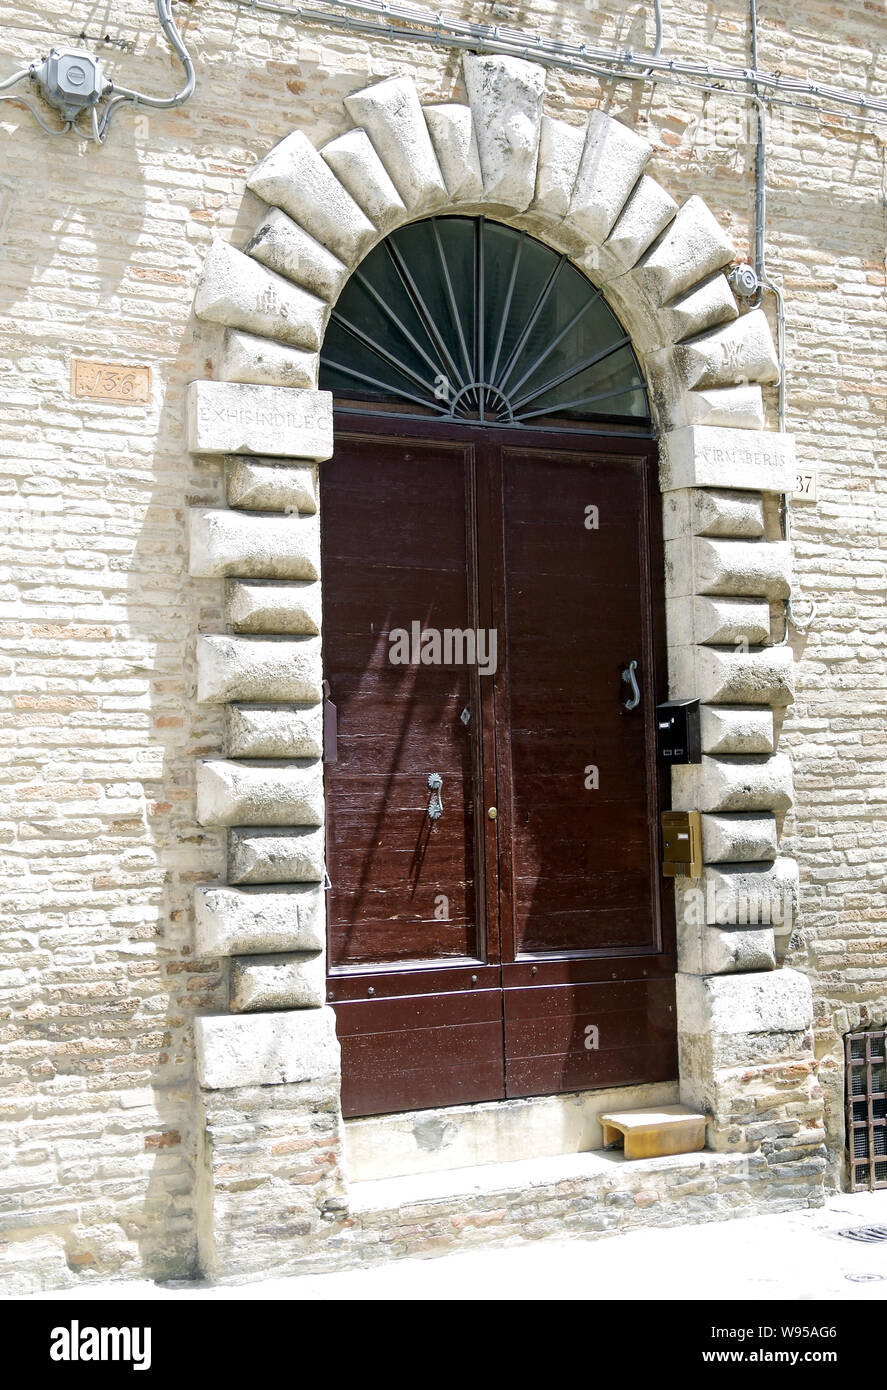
(100, 848)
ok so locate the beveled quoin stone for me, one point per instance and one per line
(262, 547)
(279, 981)
(736, 729)
(721, 675)
(733, 568)
(738, 407)
(733, 784)
(256, 361)
(293, 855)
(740, 837)
(243, 921)
(228, 417)
(274, 670)
(240, 293)
(715, 456)
(262, 606)
(273, 731)
(240, 793)
(265, 1049)
(742, 351)
(270, 486)
(710, 950)
(717, 620)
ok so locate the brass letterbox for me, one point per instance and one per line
(681, 844)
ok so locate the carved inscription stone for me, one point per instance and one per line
(226, 417)
(716, 456)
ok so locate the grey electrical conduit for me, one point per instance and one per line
(581, 58)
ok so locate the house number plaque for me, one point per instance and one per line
(110, 381)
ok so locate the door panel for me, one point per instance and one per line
(550, 1045)
(552, 920)
(578, 763)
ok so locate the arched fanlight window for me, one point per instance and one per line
(468, 319)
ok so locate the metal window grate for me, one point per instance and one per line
(866, 1092)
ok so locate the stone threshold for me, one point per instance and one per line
(489, 1132)
(608, 1169)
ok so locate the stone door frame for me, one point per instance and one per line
(582, 190)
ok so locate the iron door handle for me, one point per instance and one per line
(628, 675)
(435, 802)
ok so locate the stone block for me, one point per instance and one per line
(455, 145)
(260, 362)
(693, 247)
(739, 407)
(736, 730)
(228, 417)
(744, 837)
(261, 606)
(273, 731)
(274, 670)
(712, 512)
(265, 1049)
(645, 216)
(775, 1001)
(612, 161)
(712, 950)
(706, 306)
(359, 169)
(505, 95)
(265, 485)
(715, 620)
(283, 246)
(703, 566)
(733, 784)
(268, 794)
(752, 893)
(294, 855)
(236, 291)
(560, 150)
(728, 513)
(238, 543)
(244, 921)
(280, 981)
(719, 457)
(741, 351)
(293, 177)
(391, 114)
(725, 676)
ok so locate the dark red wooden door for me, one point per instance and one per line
(475, 955)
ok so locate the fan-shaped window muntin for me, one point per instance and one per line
(469, 319)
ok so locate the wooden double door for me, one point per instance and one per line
(495, 922)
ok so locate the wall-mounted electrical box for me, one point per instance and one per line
(677, 731)
(681, 843)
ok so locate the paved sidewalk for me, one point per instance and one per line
(796, 1255)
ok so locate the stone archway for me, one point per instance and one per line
(272, 1061)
